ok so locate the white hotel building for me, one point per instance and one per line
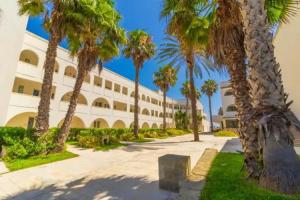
(106, 99)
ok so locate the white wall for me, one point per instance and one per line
(12, 32)
(287, 52)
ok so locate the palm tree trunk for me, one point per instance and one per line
(136, 102)
(193, 101)
(187, 103)
(64, 130)
(42, 119)
(281, 170)
(210, 114)
(164, 119)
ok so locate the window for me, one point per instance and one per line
(125, 91)
(21, 89)
(117, 88)
(231, 108)
(35, 93)
(108, 85)
(52, 96)
(98, 81)
(232, 123)
(30, 122)
(97, 124)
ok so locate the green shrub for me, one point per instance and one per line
(21, 143)
(226, 133)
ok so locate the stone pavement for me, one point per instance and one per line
(127, 173)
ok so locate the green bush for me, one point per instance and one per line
(21, 143)
(226, 133)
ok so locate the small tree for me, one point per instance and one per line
(164, 79)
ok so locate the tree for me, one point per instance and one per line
(140, 48)
(180, 119)
(209, 88)
(226, 45)
(96, 40)
(64, 15)
(277, 123)
(188, 29)
(186, 91)
(164, 79)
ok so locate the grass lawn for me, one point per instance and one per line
(38, 160)
(225, 181)
(225, 133)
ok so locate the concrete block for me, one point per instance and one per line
(172, 170)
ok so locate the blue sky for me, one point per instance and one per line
(144, 14)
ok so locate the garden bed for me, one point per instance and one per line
(226, 181)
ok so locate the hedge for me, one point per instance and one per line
(21, 143)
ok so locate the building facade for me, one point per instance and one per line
(229, 118)
(106, 99)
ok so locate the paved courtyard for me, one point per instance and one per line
(127, 173)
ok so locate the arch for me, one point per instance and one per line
(228, 92)
(70, 72)
(131, 125)
(145, 112)
(76, 123)
(81, 98)
(154, 125)
(231, 108)
(161, 114)
(161, 126)
(132, 94)
(101, 103)
(119, 124)
(145, 125)
(99, 123)
(29, 57)
(24, 120)
(143, 97)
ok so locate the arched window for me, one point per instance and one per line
(145, 112)
(71, 72)
(101, 103)
(29, 57)
(81, 99)
(231, 108)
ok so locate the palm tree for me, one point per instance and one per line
(226, 45)
(140, 48)
(277, 123)
(190, 28)
(180, 119)
(186, 91)
(65, 15)
(209, 88)
(97, 40)
(164, 79)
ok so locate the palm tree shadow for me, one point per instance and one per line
(114, 188)
(233, 145)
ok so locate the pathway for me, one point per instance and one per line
(127, 173)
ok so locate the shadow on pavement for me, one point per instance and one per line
(233, 145)
(116, 187)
